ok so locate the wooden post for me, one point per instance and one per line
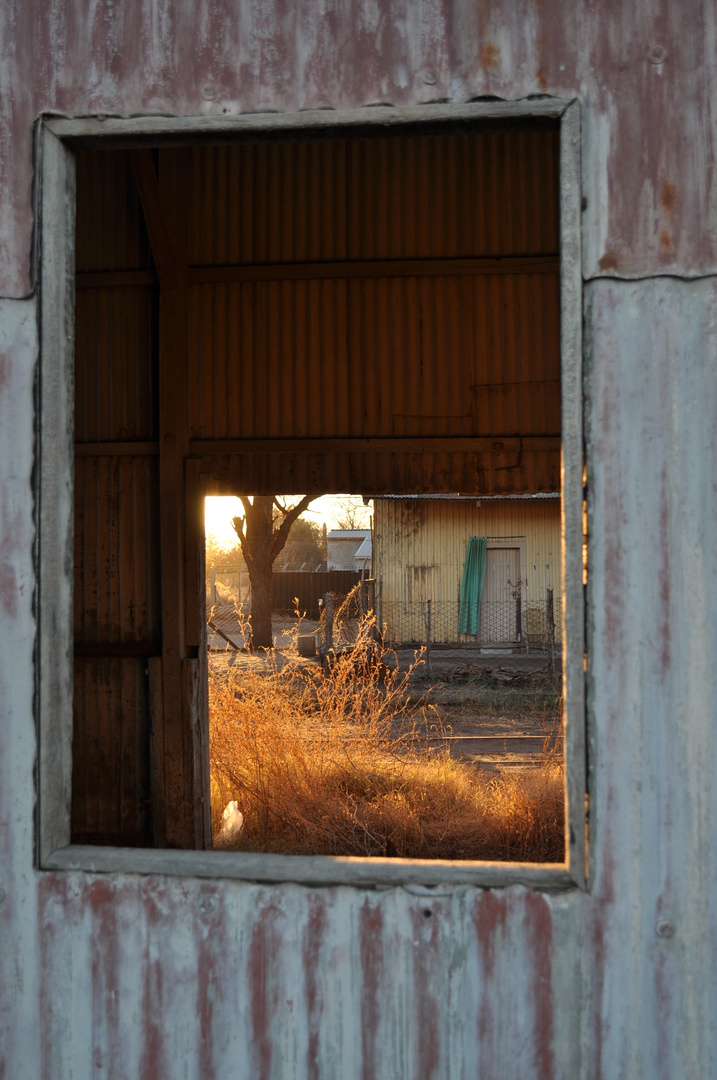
(550, 625)
(179, 819)
(195, 691)
(519, 620)
(428, 635)
(329, 624)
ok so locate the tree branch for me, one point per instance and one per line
(238, 526)
(281, 535)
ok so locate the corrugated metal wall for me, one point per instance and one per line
(409, 534)
(140, 975)
(329, 300)
(117, 607)
(358, 357)
(408, 197)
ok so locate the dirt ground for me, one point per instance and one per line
(496, 708)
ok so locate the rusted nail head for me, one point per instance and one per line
(665, 928)
(430, 78)
(657, 54)
(207, 905)
(209, 92)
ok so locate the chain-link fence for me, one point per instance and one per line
(517, 624)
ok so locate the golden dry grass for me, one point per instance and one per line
(334, 766)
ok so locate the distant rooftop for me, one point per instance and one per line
(349, 534)
(364, 551)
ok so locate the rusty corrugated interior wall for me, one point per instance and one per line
(344, 289)
(117, 616)
(373, 315)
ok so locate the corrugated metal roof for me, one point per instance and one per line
(364, 551)
(348, 534)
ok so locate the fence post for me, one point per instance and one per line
(550, 626)
(428, 635)
(329, 625)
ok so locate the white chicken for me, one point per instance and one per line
(232, 825)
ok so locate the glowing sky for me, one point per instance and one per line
(220, 509)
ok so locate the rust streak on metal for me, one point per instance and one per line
(490, 56)
(668, 196)
(311, 957)
(425, 922)
(372, 982)
(539, 918)
(608, 262)
(263, 954)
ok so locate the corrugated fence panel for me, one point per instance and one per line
(309, 587)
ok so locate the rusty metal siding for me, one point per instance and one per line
(501, 471)
(147, 976)
(116, 550)
(117, 607)
(297, 982)
(116, 375)
(647, 74)
(111, 233)
(368, 353)
(652, 456)
(408, 197)
(110, 752)
(370, 358)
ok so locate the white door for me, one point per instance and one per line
(501, 595)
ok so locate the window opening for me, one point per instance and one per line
(370, 725)
(155, 405)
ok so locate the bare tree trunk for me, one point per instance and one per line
(261, 579)
(261, 541)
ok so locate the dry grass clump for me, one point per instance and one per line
(334, 766)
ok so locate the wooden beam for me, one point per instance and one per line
(489, 444)
(116, 449)
(375, 268)
(84, 649)
(173, 755)
(158, 227)
(307, 271)
(106, 279)
(195, 597)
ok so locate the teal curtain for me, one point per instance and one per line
(472, 586)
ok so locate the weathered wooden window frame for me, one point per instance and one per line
(54, 504)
